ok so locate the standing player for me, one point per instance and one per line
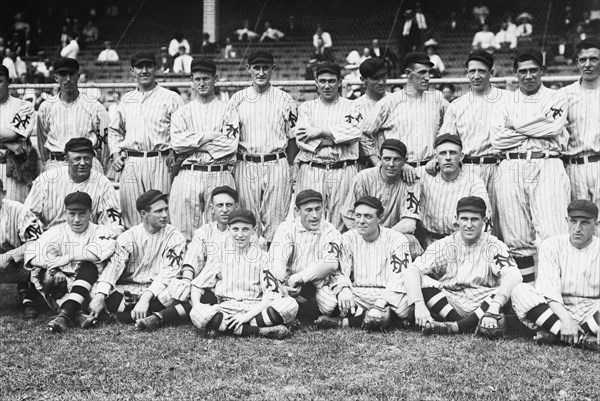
(16, 124)
(565, 303)
(582, 156)
(71, 114)
(205, 140)
(529, 130)
(328, 155)
(267, 118)
(139, 138)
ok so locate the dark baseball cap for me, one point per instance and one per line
(225, 189)
(204, 65)
(481, 55)
(242, 216)
(373, 67)
(448, 138)
(308, 195)
(331, 68)
(260, 57)
(416, 58)
(143, 57)
(148, 198)
(78, 145)
(65, 64)
(395, 145)
(529, 53)
(4, 71)
(471, 204)
(370, 201)
(588, 43)
(78, 200)
(582, 208)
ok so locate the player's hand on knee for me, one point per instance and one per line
(432, 167)
(232, 322)
(97, 305)
(346, 302)
(422, 314)
(570, 331)
(409, 174)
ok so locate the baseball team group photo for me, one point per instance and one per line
(337, 200)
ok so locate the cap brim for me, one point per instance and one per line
(310, 199)
(383, 70)
(155, 199)
(481, 59)
(582, 213)
(199, 69)
(260, 61)
(82, 149)
(78, 206)
(470, 209)
(66, 69)
(329, 70)
(240, 220)
(144, 60)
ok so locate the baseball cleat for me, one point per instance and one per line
(326, 322)
(149, 323)
(544, 337)
(212, 333)
(29, 311)
(436, 327)
(86, 321)
(278, 332)
(60, 323)
(590, 342)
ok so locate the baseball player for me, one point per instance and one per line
(370, 254)
(582, 155)
(139, 137)
(441, 193)
(73, 253)
(529, 131)
(17, 156)
(19, 226)
(267, 119)
(71, 114)
(328, 154)
(147, 257)
(251, 302)
(565, 303)
(46, 199)
(205, 140)
(464, 279)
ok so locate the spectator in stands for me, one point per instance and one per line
(207, 47)
(41, 68)
(504, 39)
(228, 51)
(512, 27)
(322, 53)
(437, 71)
(410, 37)
(271, 34)
(524, 29)
(324, 36)
(177, 41)
(76, 28)
(375, 50)
(35, 37)
(293, 29)
(183, 63)
(568, 21)
(449, 91)
(386, 54)
(64, 36)
(366, 53)
(480, 13)
(484, 39)
(2, 46)
(9, 62)
(71, 50)
(15, 43)
(108, 55)
(165, 61)
(452, 24)
(586, 20)
(90, 33)
(21, 31)
(244, 34)
(420, 18)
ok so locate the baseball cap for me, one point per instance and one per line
(141, 57)
(204, 65)
(260, 57)
(308, 195)
(78, 200)
(78, 145)
(416, 58)
(225, 189)
(65, 64)
(332, 68)
(471, 204)
(372, 67)
(529, 53)
(481, 55)
(148, 198)
(588, 43)
(370, 201)
(4, 71)
(395, 145)
(243, 216)
(582, 208)
(448, 138)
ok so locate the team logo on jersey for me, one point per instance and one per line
(19, 121)
(334, 248)
(293, 118)
(271, 281)
(399, 264)
(101, 138)
(33, 232)
(349, 118)
(115, 216)
(175, 258)
(555, 112)
(104, 237)
(232, 131)
(413, 202)
(503, 261)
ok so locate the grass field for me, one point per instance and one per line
(115, 361)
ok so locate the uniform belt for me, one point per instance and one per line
(58, 156)
(152, 153)
(194, 167)
(261, 158)
(332, 166)
(416, 164)
(581, 159)
(481, 160)
(530, 155)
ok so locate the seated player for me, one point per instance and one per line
(465, 279)
(565, 303)
(251, 302)
(67, 259)
(371, 253)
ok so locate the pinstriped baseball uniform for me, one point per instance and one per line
(47, 198)
(142, 124)
(525, 187)
(191, 190)
(333, 184)
(413, 120)
(566, 275)
(440, 197)
(266, 123)
(584, 139)
(16, 117)
(17, 226)
(397, 197)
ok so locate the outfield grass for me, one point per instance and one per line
(179, 363)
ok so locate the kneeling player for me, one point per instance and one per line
(251, 302)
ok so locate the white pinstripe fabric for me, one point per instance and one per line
(207, 241)
(17, 225)
(368, 144)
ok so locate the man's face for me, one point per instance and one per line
(67, 81)
(144, 73)
(79, 219)
(418, 76)
(391, 163)
(588, 62)
(470, 225)
(241, 233)
(479, 75)
(80, 165)
(529, 74)
(223, 205)
(203, 83)
(261, 74)
(4, 82)
(310, 215)
(581, 230)
(366, 220)
(158, 215)
(328, 85)
(376, 84)
(375, 43)
(449, 155)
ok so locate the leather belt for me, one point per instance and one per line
(261, 158)
(581, 159)
(194, 167)
(481, 160)
(416, 164)
(331, 166)
(58, 156)
(152, 153)
(530, 155)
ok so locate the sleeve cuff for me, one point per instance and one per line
(104, 288)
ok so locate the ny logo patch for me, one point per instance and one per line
(270, 281)
(555, 112)
(334, 248)
(115, 216)
(413, 202)
(33, 232)
(19, 121)
(232, 131)
(349, 118)
(104, 237)
(502, 261)
(293, 118)
(399, 264)
(174, 258)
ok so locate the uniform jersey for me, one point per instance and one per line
(368, 145)
(143, 120)
(16, 117)
(582, 119)
(191, 122)
(17, 225)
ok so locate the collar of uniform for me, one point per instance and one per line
(73, 102)
(458, 177)
(301, 229)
